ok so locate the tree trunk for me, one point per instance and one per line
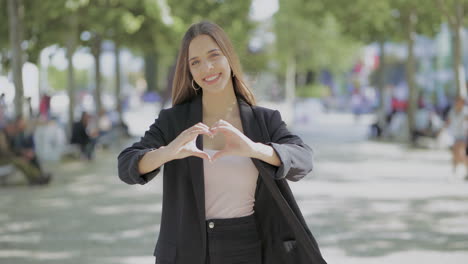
(290, 80)
(96, 50)
(15, 29)
(459, 69)
(381, 82)
(118, 83)
(71, 47)
(410, 70)
(150, 71)
(290, 89)
(166, 95)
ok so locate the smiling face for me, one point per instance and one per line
(209, 67)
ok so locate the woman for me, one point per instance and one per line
(457, 126)
(225, 198)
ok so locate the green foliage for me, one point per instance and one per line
(231, 15)
(309, 33)
(450, 8)
(57, 79)
(427, 16)
(312, 90)
(5, 38)
(367, 21)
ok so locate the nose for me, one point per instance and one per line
(209, 65)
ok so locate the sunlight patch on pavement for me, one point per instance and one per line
(86, 189)
(75, 165)
(376, 170)
(20, 226)
(102, 237)
(128, 208)
(36, 255)
(447, 206)
(132, 260)
(58, 203)
(380, 190)
(453, 225)
(123, 235)
(389, 206)
(337, 256)
(23, 238)
(386, 224)
(134, 193)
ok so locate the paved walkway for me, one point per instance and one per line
(366, 202)
(373, 202)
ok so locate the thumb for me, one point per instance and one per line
(201, 154)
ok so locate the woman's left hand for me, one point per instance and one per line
(236, 143)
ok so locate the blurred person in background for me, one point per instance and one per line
(84, 136)
(16, 149)
(49, 139)
(105, 136)
(226, 198)
(44, 106)
(357, 103)
(427, 124)
(456, 125)
(28, 112)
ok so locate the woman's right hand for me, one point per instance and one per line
(184, 145)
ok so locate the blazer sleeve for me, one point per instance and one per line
(129, 158)
(296, 156)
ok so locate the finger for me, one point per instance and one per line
(198, 130)
(222, 129)
(202, 154)
(203, 131)
(195, 127)
(200, 124)
(224, 122)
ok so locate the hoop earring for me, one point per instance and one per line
(196, 89)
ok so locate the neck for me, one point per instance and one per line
(220, 105)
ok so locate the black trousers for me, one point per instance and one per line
(233, 241)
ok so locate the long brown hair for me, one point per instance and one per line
(182, 90)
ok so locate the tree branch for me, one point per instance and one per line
(451, 20)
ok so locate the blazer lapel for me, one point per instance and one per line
(252, 129)
(196, 172)
(195, 114)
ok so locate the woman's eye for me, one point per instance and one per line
(194, 63)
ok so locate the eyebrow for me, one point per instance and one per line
(207, 53)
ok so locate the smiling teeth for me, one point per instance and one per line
(211, 78)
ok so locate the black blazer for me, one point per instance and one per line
(182, 238)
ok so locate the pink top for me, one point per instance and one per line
(230, 184)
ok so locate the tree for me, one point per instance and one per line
(415, 17)
(55, 22)
(454, 12)
(4, 41)
(308, 38)
(15, 17)
(368, 22)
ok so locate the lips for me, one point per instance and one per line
(212, 78)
